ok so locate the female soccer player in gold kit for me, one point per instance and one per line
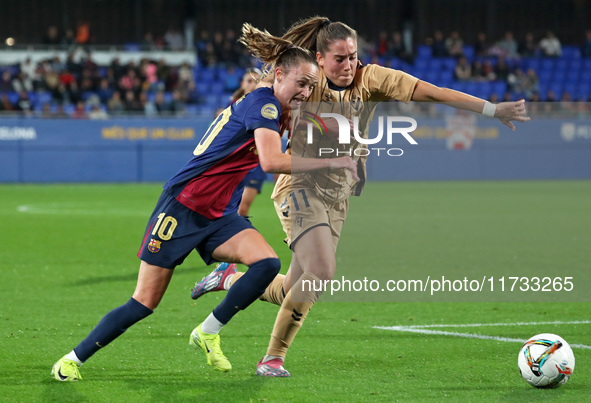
(313, 207)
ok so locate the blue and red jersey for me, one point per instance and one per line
(210, 183)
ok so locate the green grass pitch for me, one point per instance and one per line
(68, 256)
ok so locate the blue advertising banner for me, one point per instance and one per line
(456, 147)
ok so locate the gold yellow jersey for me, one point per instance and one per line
(372, 84)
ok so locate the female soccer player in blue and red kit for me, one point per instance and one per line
(198, 209)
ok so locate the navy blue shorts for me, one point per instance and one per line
(174, 230)
(255, 178)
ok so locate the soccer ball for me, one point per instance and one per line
(546, 361)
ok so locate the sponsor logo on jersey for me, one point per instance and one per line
(269, 111)
(154, 245)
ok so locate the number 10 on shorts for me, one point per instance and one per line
(164, 226)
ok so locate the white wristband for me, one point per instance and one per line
(489, 109)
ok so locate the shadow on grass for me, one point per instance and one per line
(193, 271)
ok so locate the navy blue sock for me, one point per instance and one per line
(247, 288)
(111, 326)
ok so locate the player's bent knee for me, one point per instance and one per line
(265, 271)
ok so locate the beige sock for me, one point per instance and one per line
(273, 293)
(293, 311)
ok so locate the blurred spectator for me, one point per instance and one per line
(586, 49)
(382, 43)
(132, 104)
(438, 48)
(481, 46)
(529, 47)
(550, 97)
(186, 74)
(478, 71)
(83, 33)
(488, 70)
(66, 78)
(462, 71)
(454, 44)
(161, 106)
(29, 69)
(501, 69)
(97, 113)
(104, 92)
(231, 82)
(174, 40)
(209, 58)
(148, 42)
(69, 39)
(5, 105)
(56, 65)
(531, 84)
(114, 105)
(493, 98)
(79, 111)
(52, 36)
(46, 110)
(24, 104)
(177, 106)
(396, 47)
(74, 92)
(6, 82)
(508, 46)
(202, 42)
(148, 106)
(550, 45)
(507, 97)
(516, 80)
(60, 113)
(22, 83)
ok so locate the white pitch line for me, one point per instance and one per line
(574, 322)
(422, 330)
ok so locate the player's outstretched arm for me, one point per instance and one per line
(273, 160)
(506, 112)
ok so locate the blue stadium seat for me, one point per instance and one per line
(557, 88)
(191, 109)
(202, 87)
(212, 100)
(168, 97)
(468, 52)
(43, 97)
(217, 88)
(499, 88)
(449, 63)
(575, 65)
(572, 78)
(87, 94)
(430, 76)
(421, 64)
(534, 64)
(545, 76)
(562, 65)
(547, 64)
(206, 75)
(571, 52)
(12, 97)
(132, 47)
(571, 89)
(559, 76)
(424, 51)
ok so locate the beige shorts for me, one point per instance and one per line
(300, 210)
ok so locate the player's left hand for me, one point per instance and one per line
(508, 111)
